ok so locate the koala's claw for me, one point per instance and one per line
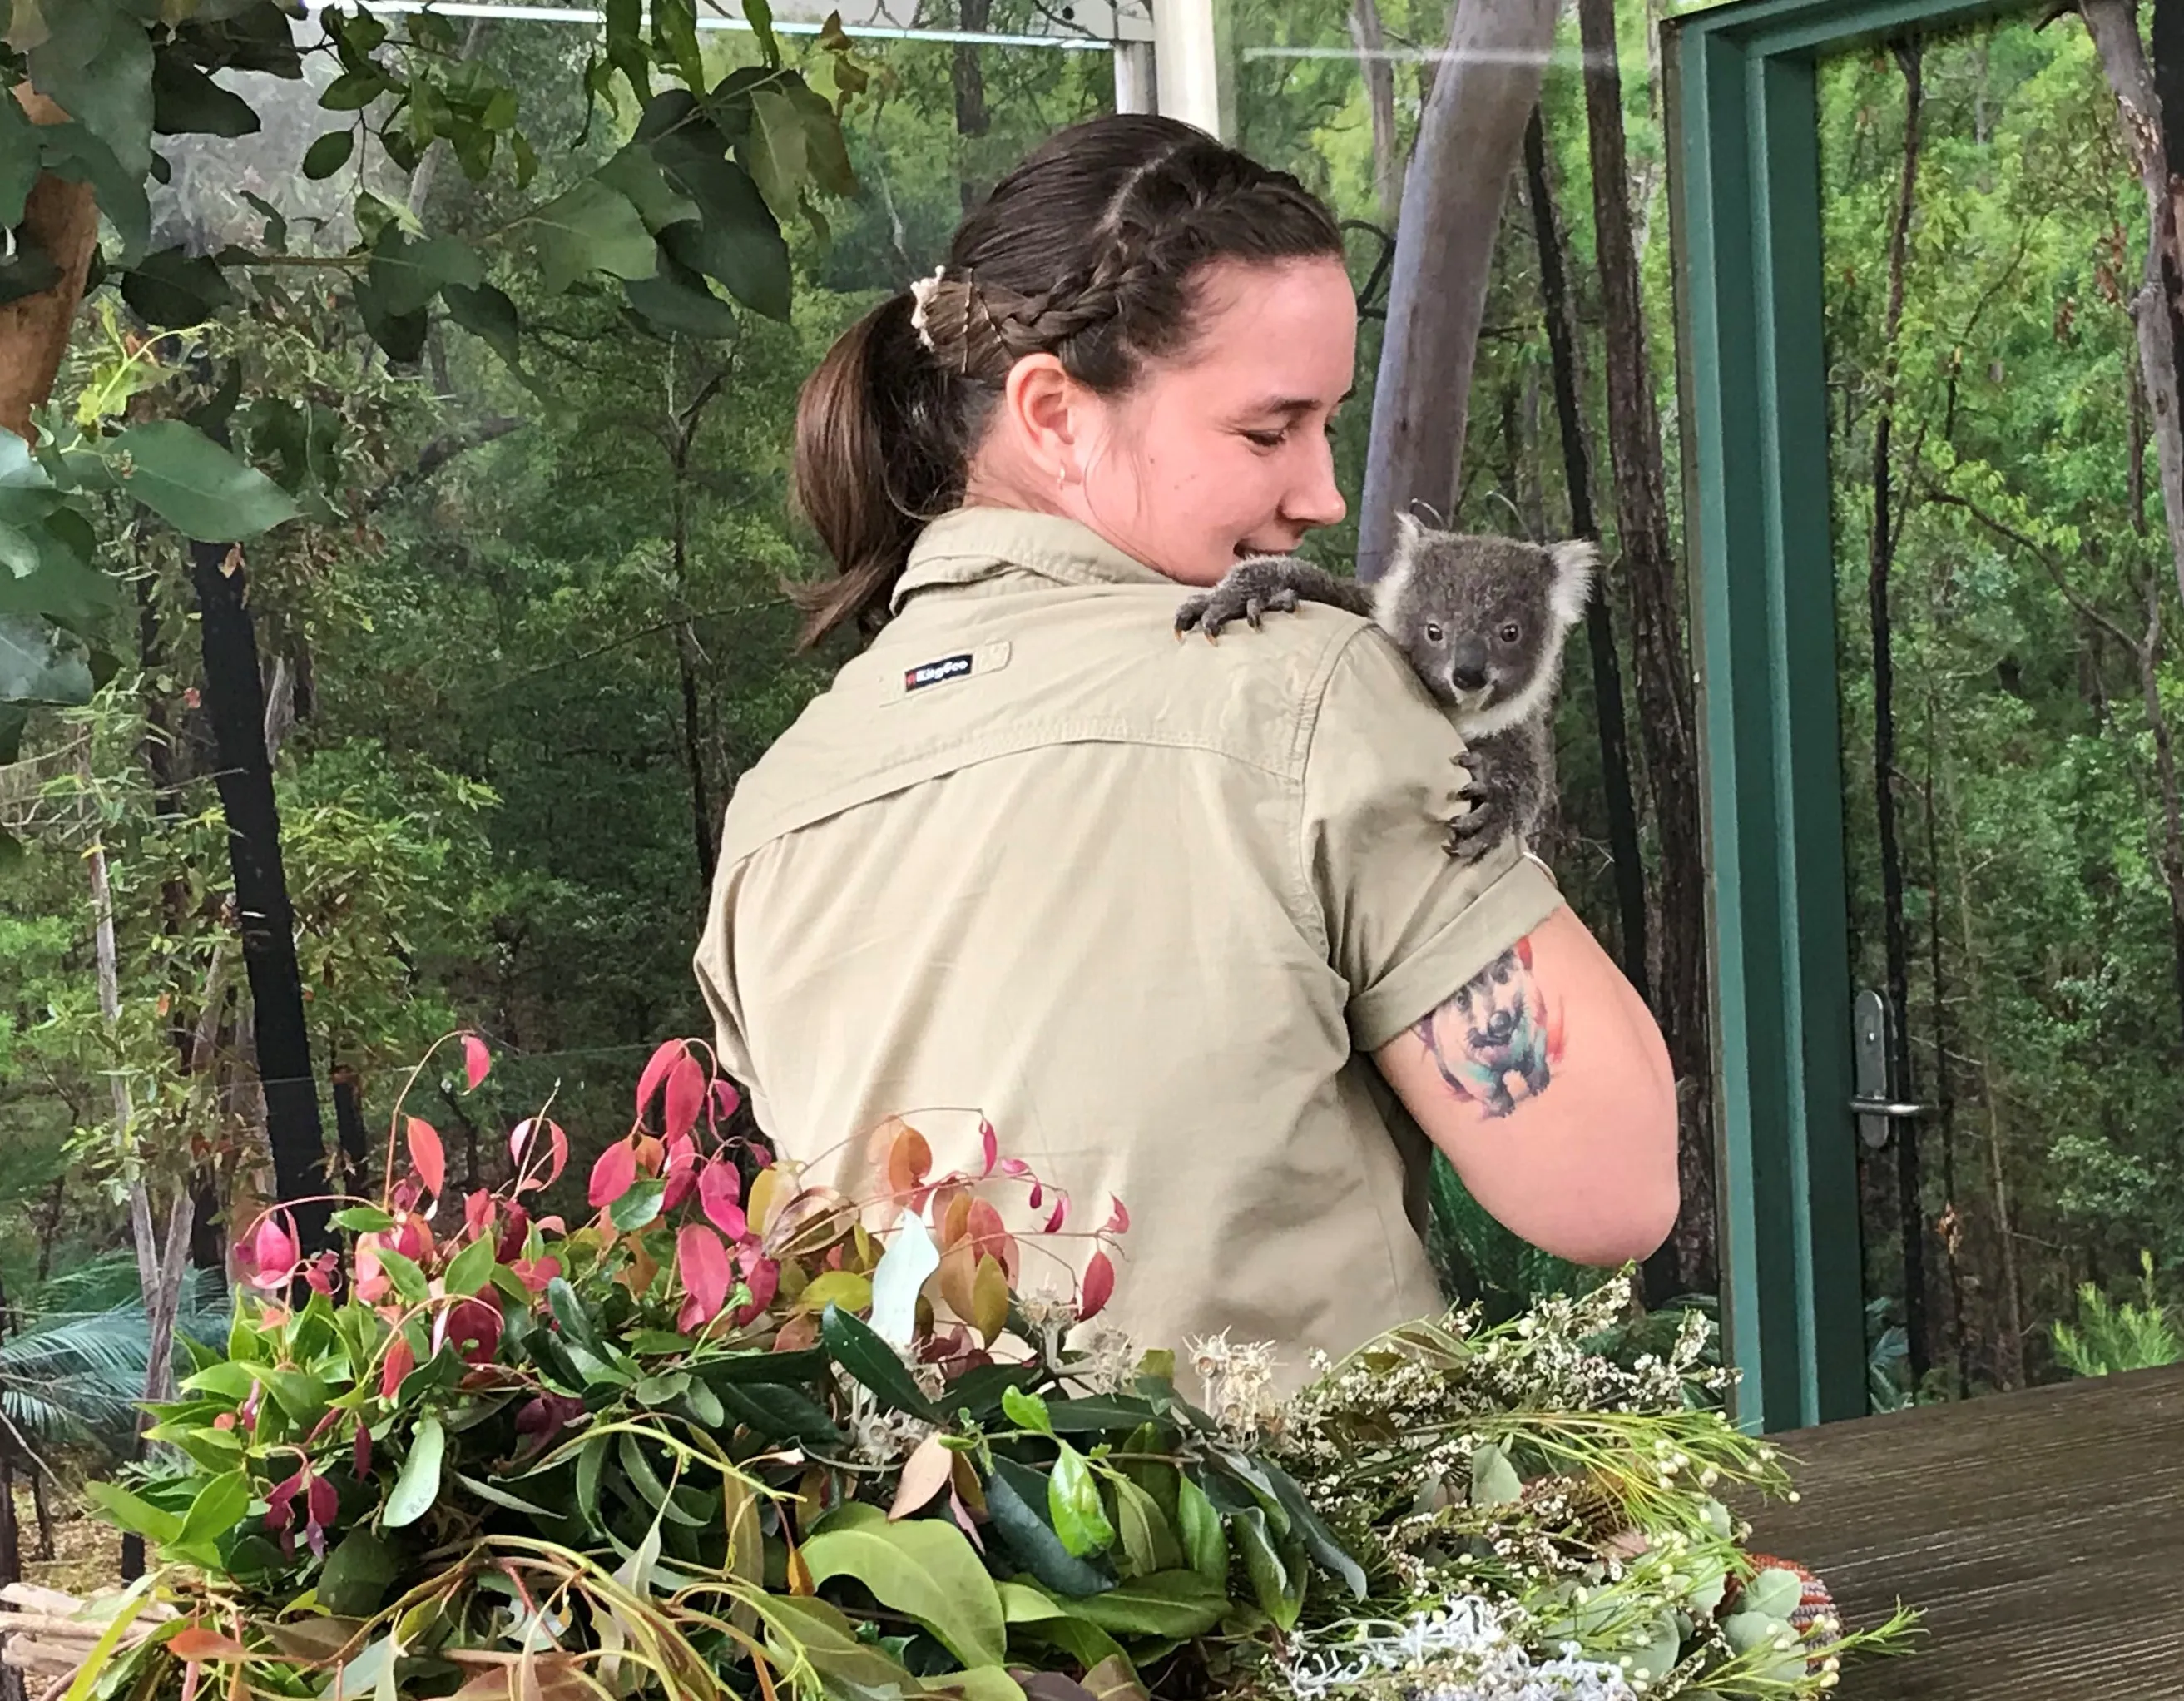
(1245, 595)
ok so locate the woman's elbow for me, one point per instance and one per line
(1636, 1210)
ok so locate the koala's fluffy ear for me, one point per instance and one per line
(1573, 564)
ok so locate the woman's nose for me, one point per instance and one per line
(1315, 499)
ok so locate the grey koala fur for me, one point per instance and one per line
(1481, 619)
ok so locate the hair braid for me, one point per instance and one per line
(1092, 250)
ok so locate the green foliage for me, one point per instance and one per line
(2108, 1338)
(756, 147)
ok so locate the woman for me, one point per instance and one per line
(1177, 919)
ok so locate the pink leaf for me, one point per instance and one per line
(519, 1140)
(1061, 1210)
(992, 1142)
(321, 1504)
(655, 1072)
(686, 1096)
(720, 1190)
(1098, 1287)
(924, 1473)
(1037, 1193)
(702, 1263)
(560, 1153)
(726, 1098)
(1118, 1219)
(1014, 1166)
(682, 1171)
(426, 1154)
(273, 1254)
(477, 1060)
(614, 1173)
(401, 1359)
(961, 1514)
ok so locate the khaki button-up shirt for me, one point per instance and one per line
(1146, 905)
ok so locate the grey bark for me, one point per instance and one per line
(1379, 74)
(1469, 138)
(2113, 26)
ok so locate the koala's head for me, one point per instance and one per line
(1482, 619)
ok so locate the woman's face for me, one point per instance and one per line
(1217, 453)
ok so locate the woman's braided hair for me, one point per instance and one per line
(1088, 251)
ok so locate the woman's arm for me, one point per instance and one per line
(1545, 1081)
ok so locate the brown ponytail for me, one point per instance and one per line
(1088, 251)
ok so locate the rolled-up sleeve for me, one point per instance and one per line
(1406, 923)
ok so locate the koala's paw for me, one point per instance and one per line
(1250, 590)
(1487, 820)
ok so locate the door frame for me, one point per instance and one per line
(1740, 89)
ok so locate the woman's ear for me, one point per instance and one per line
(1042, 408)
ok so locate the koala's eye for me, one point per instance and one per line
(1433, 632)
(1510, 633)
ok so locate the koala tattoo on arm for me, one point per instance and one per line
(1482, 621)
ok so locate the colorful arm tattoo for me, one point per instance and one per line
(1498, 1041)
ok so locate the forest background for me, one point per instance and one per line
(530, 633)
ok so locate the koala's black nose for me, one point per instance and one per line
(1500, 1026)
(1467, 664)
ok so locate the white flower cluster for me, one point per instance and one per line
(1461, 1651)
(1239, 1382)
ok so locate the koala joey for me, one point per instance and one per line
(1481, 619)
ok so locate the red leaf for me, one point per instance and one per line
(401, 1359)
(426, 1154)
(726, 1098)
(686, 1096)
(477, 1060)
(655, 1072)
(560, 1153)
(702, 1264)
(1037, 1194)
(1118, 1219)
(613, 1176)
(763, 1280)
(1098, 1287)
(682, 1171)
(197, 1642)
(992, 1142)
(360, 1459)
(718, 1189)
(473, 1324)
(1061, 1210)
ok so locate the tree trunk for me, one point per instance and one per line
(1667, 710)
(11, 1560)
(1469, 138)
(235, 703)
(972, 116)
(60, 220)
(1599, 624)
(1945, 1097)
(2113, 25)
(1880, 545)
(2010, 1350)
(41, 1506)
(1379, 71)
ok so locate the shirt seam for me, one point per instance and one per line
(917, 765)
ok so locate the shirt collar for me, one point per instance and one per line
(968, 545)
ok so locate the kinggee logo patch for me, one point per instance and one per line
(936, 672)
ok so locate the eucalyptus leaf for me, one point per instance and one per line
(186, 101)
(1167, 1604)
(358, 1573)
(419, 1484)
(1205, 1543)
(196, 486)
(639, 1205)
(591, 228)
(329, 153)
(39, 663)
